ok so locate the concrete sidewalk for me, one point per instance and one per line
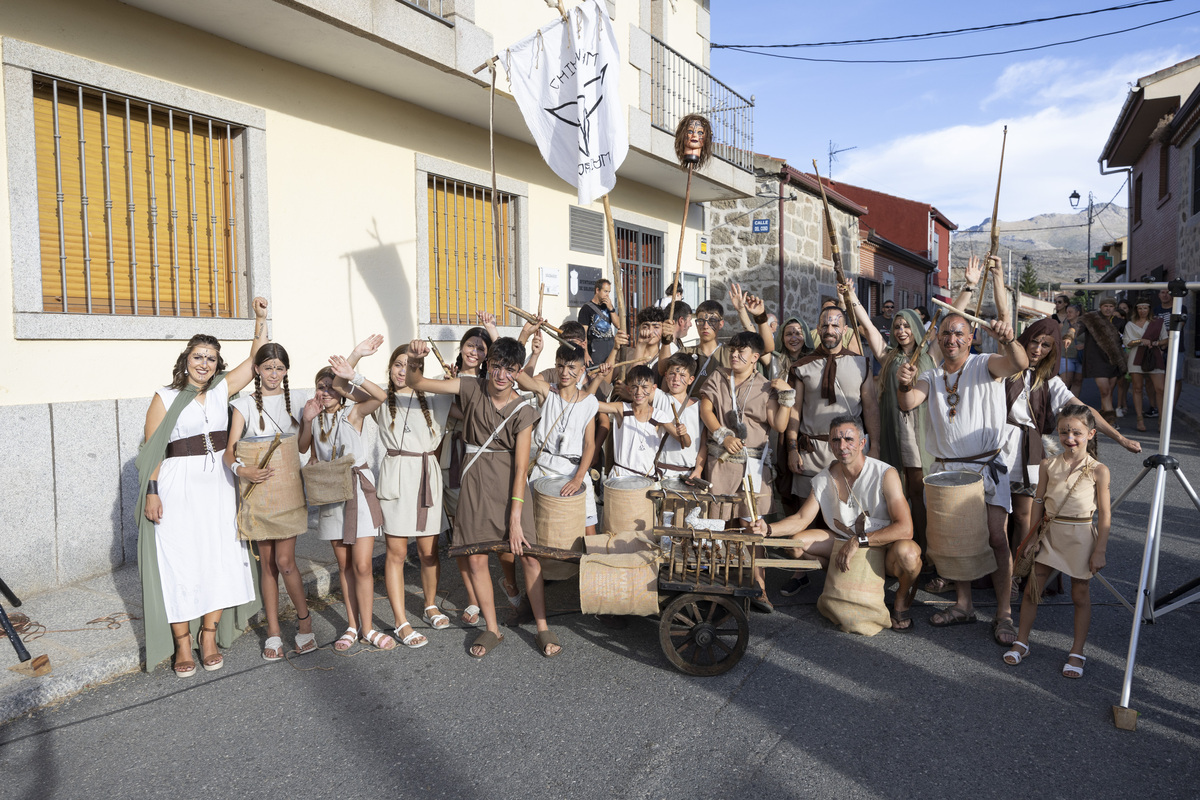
(94, 629)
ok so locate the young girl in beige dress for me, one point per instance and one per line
(1072, 487)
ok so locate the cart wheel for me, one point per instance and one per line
(703, 634)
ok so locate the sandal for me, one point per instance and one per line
(346, 640)
(545, 639)
(486, 641)
(939, 585)
(471, 611)
(185, 669)
(379, 639)
(1069, 670)
(1002, 629)
(413, 640)
(902, 621)
(305, 642)
(437, 620)
(274, 646)
(952, 616)
(513, 599)
(214, 662)
(1015, 656)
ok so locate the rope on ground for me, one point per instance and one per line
(32, 630)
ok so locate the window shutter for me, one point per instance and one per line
(586, 231)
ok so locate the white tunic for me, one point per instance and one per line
(203, 565)
(274, 417)
(635, 443)
(673, 452)
(563, 426)
(342, 440)
(980, 424)
(400, 476)
(865, 495)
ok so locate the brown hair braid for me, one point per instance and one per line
(287, 400)
(258, 400)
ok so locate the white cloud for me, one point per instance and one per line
(1059, 116)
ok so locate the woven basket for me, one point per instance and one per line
(956, 527)
(560, 522)
(626, 506)
(854, 600)
(622, 584)
(276, 508)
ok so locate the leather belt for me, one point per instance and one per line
(198, 445)
(425, 492)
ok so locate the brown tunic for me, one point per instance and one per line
(486, 498)
(816, 412)
(706, 366)
(755, 405)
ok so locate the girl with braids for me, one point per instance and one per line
(269, 410)
(191, 564)
(335, 430)
(410, 426)
(1072, 487)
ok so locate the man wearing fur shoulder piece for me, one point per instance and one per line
(1104, 354)
(862, 500)
(830, 383)
(968, 430)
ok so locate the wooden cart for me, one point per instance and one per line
(706, 583)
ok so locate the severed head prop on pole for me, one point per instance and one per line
(693, 148)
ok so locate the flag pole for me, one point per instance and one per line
(618, 294)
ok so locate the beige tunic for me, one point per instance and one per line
(401, 477)
(866, 495)
(485, 501)
(817, 412)
(1068, 546)
(755, 404)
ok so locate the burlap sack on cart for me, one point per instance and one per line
(619, 584)
(276, 508)
(614, 543)
(854, 600)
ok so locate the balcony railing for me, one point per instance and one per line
(679, 87)
(433, 7)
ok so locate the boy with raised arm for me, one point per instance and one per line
(564, 441)
(639, 430)
(677, 460)
(497, 428)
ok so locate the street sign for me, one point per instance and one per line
(702, 252)
(1101, 262)
(761, 225)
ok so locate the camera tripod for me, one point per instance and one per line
(15, 602)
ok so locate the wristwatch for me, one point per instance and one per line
(863, 541)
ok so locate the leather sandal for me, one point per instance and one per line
(305, 642)
(185, 669)
(546, 638)
(214, 662)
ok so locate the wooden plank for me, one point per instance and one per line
(726, 536)
(789, 563)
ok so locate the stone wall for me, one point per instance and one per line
(70, 490)
(752, 259)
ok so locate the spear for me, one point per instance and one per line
(836, 252)
(438, 355)
(995, 237)
(550, 329)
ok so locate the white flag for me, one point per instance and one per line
(565, 78)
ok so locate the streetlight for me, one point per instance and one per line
(1087, 263)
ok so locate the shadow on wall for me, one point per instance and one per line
(382, 272)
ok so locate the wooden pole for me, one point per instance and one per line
(994, 246)
(618, 294)
(438, 355)
(687, 202)
(836, 252)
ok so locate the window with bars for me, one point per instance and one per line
(137, 205)
(640, 252)
(470, 259)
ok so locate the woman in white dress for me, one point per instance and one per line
(190, 497)
(411, 425)
(1145, 340)
(271, 409)
(334, 431)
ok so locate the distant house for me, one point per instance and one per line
(909, 224)
(1184, 135)
(887, 271)
(1140, 142)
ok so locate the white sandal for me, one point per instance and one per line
(305, 642)
(413, 640)
(437, 620)
(1014, 656)
(380, 640)
(514, 600)
(1069, 670)
(346, 640)
(273, 644)
(472, 611)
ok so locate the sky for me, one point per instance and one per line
(932, 131)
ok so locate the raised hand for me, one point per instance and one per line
(260, 307)
(368, 346)
(1001, 331)
(312, 408)
(419, 348)
(536, 343)
(736, 296)
(755, 305)
(341, 367)
(973, 271)
(907, 374)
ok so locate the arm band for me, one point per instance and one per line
(152, 488)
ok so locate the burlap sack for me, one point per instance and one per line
(956, 528)
(614, 543)
(854, 600)
(560, 522)
(276, 508)
(626, 506)
(328, 482)
(619, 584)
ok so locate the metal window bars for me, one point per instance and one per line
(464, 275)
(434, 7)
(679, 87)
(88, 169)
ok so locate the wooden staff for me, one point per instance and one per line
(550, 329)
(836, 252)
(969, 317)
(685, 440)
(929, 334)
(748, 488)
(595, 367)
(536, 550)
(438, 355)
(618, 295)
(995, 237)
(263, 463)
(542, 299)
(687, 201)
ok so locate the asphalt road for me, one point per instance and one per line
(809, 711)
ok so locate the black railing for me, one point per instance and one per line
(434, 7)
(679, 87)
